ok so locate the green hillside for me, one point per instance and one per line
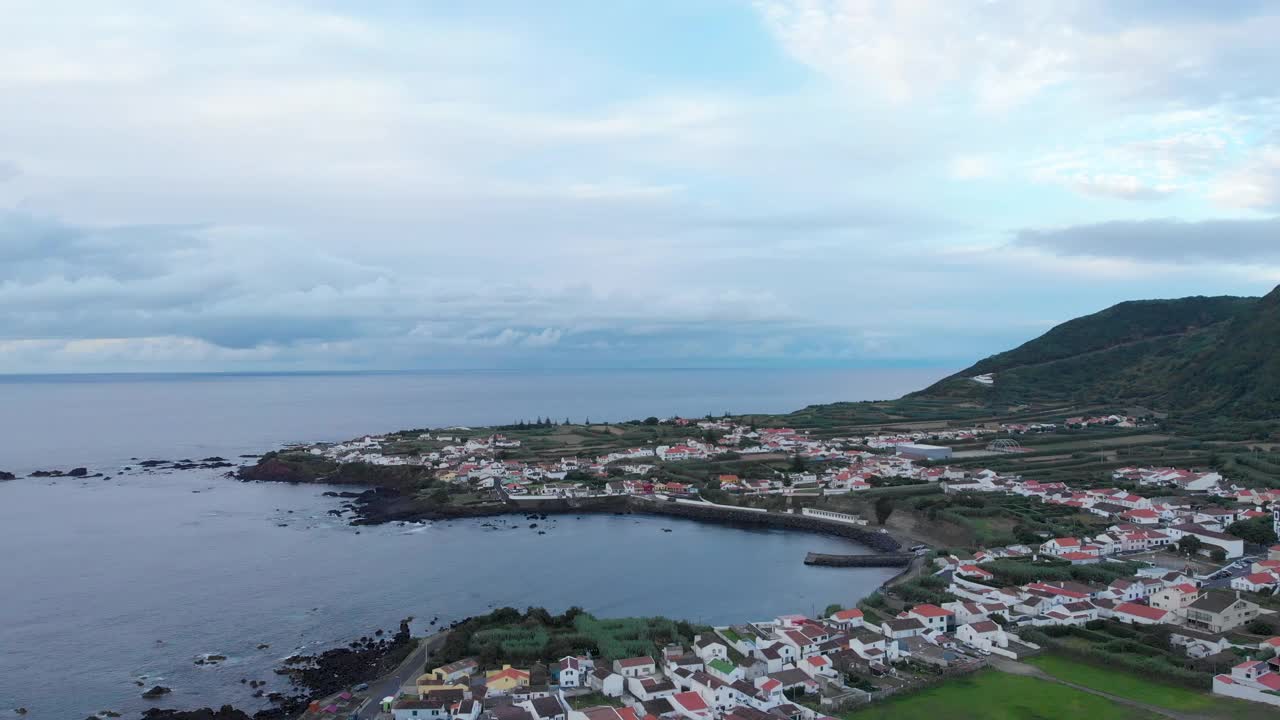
(1194, 357)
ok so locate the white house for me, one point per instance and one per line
(635, 667)
(902, 628)
(1250, 680)
(709, 647)
(571, 671)
(848, 619)
(982, 635)
(609, 684)
(818, 666)
(934, 618)
(1256, 582)
(1060, 546)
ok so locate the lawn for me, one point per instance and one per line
(582, 702)
(992, 695)
(1133, 687)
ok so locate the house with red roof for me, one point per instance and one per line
(818, 666)
(1060, 546)
(982, 635)
(691, 705)
(975, 572)
(851, 618)
(1143, 516)
(1256, 582)
(1250, 680)
(1136, 614)
(635, 667)
(934, 618)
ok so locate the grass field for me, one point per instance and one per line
(992, 695)
(1133, 687)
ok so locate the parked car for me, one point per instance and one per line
(361, 687)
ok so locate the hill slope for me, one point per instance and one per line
(1192, 356)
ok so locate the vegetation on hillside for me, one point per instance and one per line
(1203, 359)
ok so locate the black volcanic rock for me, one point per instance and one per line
(7, 476)
(226, 712)
(78, 472)
(156, 691)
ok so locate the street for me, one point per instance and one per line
(390, 685)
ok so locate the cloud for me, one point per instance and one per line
(263, 183)
(971, 167)
(1000, 55)
(1254, 185)
(1174, 241)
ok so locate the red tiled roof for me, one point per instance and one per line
(690, 701)
(1141, 611)
(1270, 680)
(930, 611)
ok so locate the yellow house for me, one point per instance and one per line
(434, 681)
(506, 679)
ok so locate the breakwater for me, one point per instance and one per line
(873, 539)
(381, 505)
(875, 560)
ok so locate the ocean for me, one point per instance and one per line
(108, 583)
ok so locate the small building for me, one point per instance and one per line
(635, 667)
(606, 682)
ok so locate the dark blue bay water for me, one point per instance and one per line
(104, 582)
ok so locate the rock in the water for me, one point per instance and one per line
(226, 712)
(7, 476)
(156, 691)
(78, 472)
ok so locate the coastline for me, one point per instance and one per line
(381, 505)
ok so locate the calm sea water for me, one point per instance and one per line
(107, 582)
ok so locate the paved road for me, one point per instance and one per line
(1014, 667)
(408, 670)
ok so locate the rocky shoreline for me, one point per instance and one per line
(316, 676)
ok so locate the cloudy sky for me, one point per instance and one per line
(251, 184)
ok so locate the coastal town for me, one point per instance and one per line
(1180, 561)
(795, 667)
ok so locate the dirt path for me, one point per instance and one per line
(1013, 667)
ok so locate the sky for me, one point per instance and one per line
(221, 185)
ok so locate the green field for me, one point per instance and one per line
(992, 695)
(1133, 687)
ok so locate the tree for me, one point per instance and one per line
(884, 508)
(797, 463)
(832, 609)
(1259, 530)
(440, 495)
(1258, 626)
(651, 420)
(1190, 544)
(1218, 555)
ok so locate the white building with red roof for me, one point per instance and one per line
(1060, 546)
(1136, 614)
(1250, 680)
(1256, 582)
(933, 617)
